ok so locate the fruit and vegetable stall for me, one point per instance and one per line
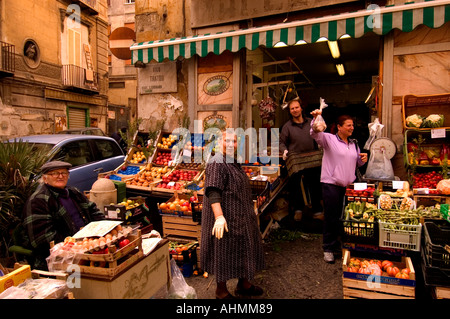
(170, 176)
(396, 234)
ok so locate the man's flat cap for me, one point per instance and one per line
(50, 166)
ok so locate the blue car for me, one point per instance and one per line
(88, 154)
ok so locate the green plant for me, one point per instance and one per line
(17, 183)
(130, 134)
(184, 121)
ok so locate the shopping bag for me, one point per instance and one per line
(375, 132)
(319, 124)
(379, 166)
(179, 289)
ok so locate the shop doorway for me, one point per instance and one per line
(118, 117)
(311, 71)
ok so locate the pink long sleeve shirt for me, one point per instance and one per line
(339, 160)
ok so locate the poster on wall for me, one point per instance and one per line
(158, 78)
(60, 123)
(215, 88)
(94, 122)
(220, 119)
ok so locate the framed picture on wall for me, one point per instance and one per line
(215, 88)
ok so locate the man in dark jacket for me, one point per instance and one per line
(294, 140)
(55, 211)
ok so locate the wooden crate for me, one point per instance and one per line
(140, 281)
(441, 292)
(109, 265)
(425, 105)
(181, 227)
(357, 285)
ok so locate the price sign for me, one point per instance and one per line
(187, 152)
(360, 186)
(398, 184)
(438, 133)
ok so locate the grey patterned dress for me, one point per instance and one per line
(239, 254)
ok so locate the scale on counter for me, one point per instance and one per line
(390, 149)
(377, 167)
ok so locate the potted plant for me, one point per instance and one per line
(17, 182)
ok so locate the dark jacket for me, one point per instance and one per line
(46, 220)
(295, 137)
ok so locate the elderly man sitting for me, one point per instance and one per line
(55, 211)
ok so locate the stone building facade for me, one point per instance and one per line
(54, 72)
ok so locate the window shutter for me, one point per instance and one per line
(77, 118)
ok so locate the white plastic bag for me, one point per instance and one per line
(179, 289)
(319, 124)
(379, 166)
(374, 131)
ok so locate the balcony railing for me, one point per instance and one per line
(7, 52)
(78, 78)
(89, 5)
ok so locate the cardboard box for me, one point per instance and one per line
(15, 278)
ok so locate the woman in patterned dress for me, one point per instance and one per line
(231, 244)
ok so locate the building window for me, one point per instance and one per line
(116, 85)
(74, 47)
(129, 1)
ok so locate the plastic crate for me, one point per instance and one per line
(197, 212)
(362, 232)
(434, 275)
(436, 237)
(400, 236)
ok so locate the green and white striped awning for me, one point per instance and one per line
(380, 20)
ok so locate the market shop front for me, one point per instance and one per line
(226, 78)
(223, 79)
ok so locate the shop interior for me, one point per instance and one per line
(310, 70)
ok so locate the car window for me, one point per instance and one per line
(76, 153)
(94, 132)
(41, 146)
(107, 149)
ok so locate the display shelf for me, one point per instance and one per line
(425, 105)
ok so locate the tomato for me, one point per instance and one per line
(385, 264)
(374, 269)
(364, 270)
(352, 269)
(392, 270)
(405, 271)
(402, 275)
(124, 242)
(376, 262)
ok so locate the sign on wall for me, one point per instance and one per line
(60, 123)
(158, 78)
(219, 119)
(215, 88)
